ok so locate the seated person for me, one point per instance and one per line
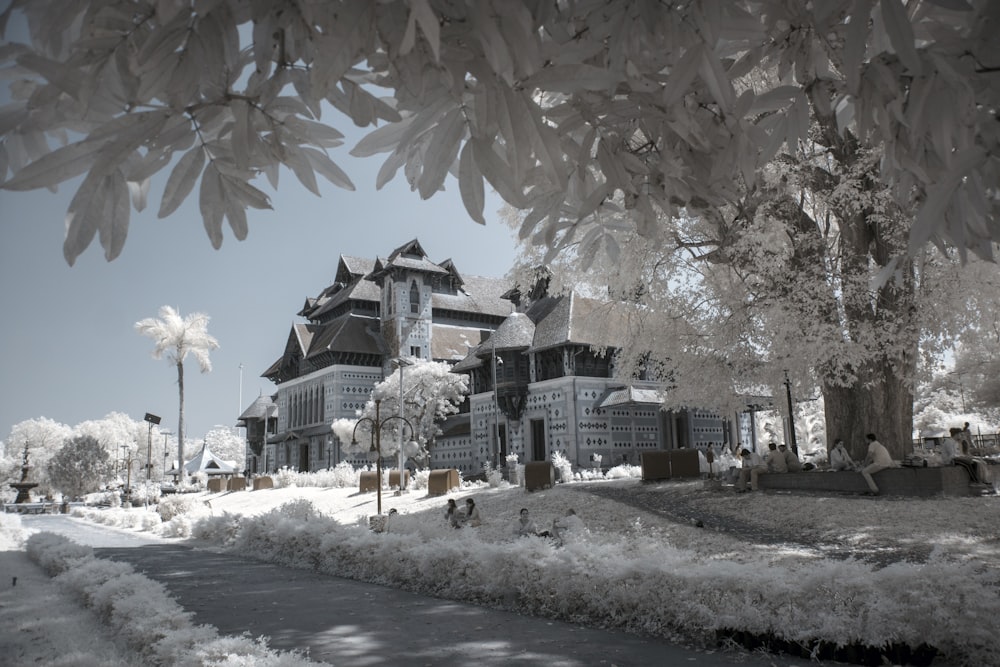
(840, 458)
(792, 462)
(750, 460)
(525, 525)
(949, 448)
(570, 523)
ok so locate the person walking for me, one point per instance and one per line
(878, 459)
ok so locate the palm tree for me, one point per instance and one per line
(176, 336)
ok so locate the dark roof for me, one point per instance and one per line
(581, 321)
(349, 333)
(262, 406)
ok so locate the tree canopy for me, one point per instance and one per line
(566, 109)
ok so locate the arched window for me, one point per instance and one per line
(414, 298)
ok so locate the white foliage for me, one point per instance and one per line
(559, 108)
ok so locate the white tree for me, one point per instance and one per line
(176, 337)
(226, 445)
(42, 437)
(431, 392)
(564, 108)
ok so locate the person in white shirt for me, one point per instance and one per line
(750, 459)
(775, 462)
(949, 448)
(525, 525)
(840, 458)
(792, 463)
(878, 459)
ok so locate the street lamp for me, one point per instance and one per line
(791, 413)
(961, 388)
(497, 361)
(401, 363)
(376, 447)
(151, 419)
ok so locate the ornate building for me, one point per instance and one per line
(374, 312)
(541, 371)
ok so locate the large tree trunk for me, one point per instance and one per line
(180, 423)
(878, 403)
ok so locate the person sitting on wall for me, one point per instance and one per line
(792, 462)
(878, 459)
(750, 459)
(949, 447)
(774, 462)
(840, 458)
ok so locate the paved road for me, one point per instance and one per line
(353, 624)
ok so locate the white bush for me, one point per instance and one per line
(143, 616)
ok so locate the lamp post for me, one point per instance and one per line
(497, 361)
(791, 413)
(150, 419)
(377, 423)
(401, 363)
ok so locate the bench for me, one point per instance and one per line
(539, 475)
(216, 485)
(440, 482)
(262, 483)
(237, 484)
(670, 463)
(394, 479)
(32, 508)
(903, 481)
(368, 481)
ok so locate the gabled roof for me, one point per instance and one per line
(261, 407)
(578, 320)
(514, 333)
(451, 343)
(348, 333)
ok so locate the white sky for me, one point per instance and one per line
(67, 340)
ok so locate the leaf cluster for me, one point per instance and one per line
(567, 110)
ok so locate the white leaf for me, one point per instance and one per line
(441, 153)
(682, 74)
(300, 166)
(856, 42)
(470, 184)
(139, 191)
(211, 205)
(574, 78)
(776, 98)
(327, 168)
(54, 168)
(716, 79)
(182, 180)
(83, 215)
(428, 22)
(113, 225)
(383, 139)
(900, 30)
(389, 168)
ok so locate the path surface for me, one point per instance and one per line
(353, 624)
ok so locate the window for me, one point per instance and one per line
(415, 351)
(414, 298)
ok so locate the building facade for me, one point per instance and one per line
(541, 372)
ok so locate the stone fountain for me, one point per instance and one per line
(24, 487)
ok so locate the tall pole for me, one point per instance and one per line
(791, 413)
(496, 403)
(163, 474)
(239, 410)
(402, 478)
